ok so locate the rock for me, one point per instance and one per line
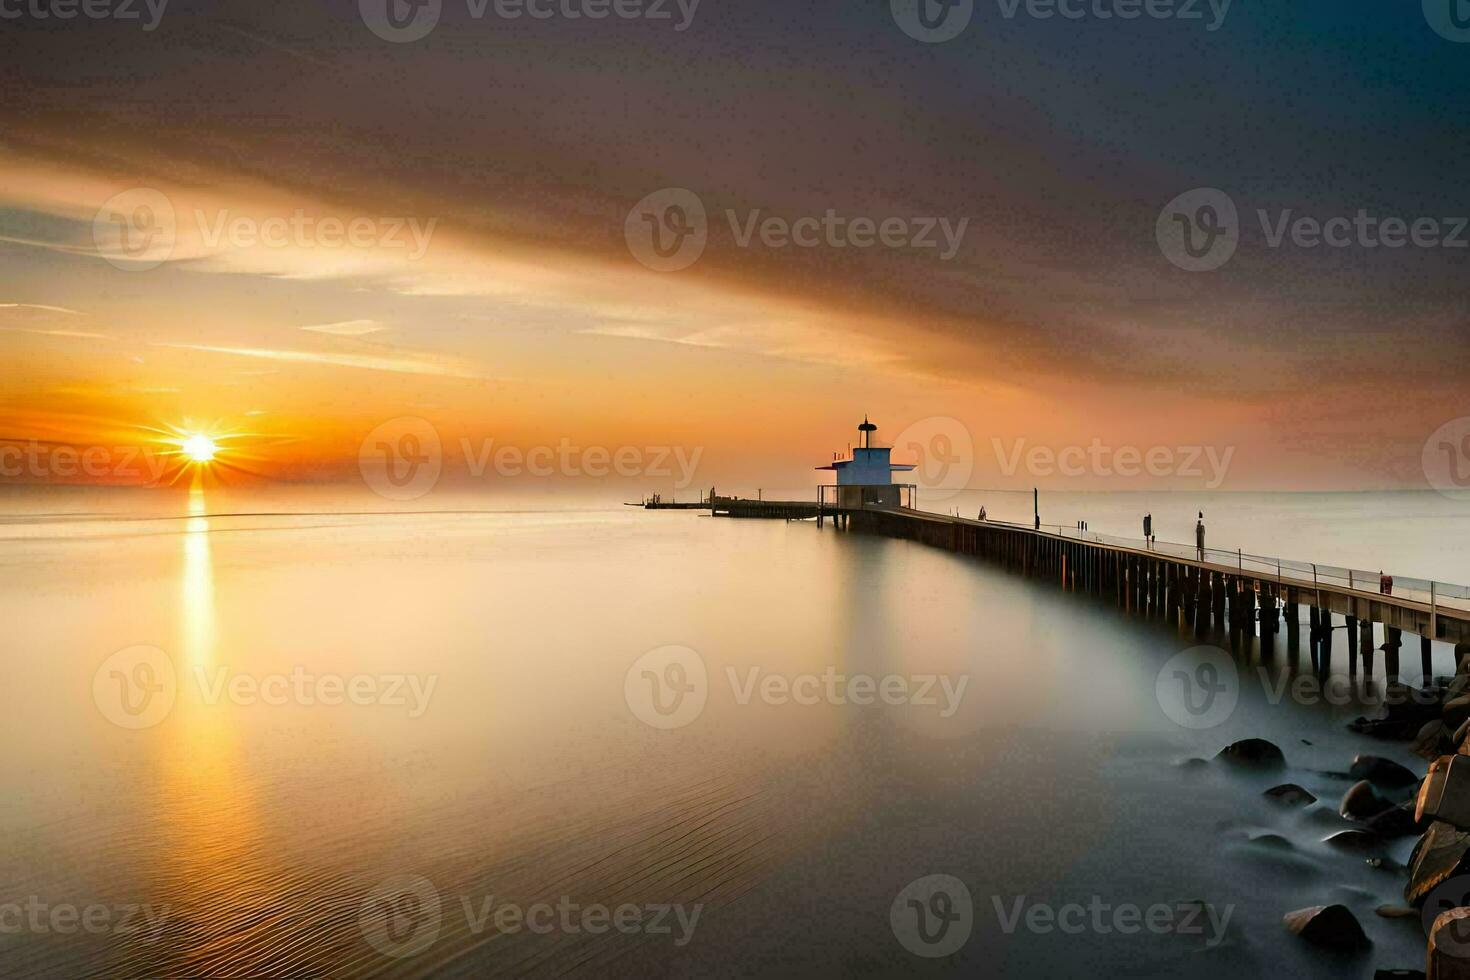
(1333, 926)
(1396, 912)
(1397, 821)
(1253, 752)
(1272, 840)
(1405, 712)
(1440, 854)
(1362, 801)
(1389, 729)
(1354, 840)
(1456, 710)
(1431, 741)
(1398, 975)
(1381, 772)
(1323, 818)
(1289, 794)
(1445, 793)
(1449, 945)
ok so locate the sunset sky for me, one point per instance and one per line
(520, 313)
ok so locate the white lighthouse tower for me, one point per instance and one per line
(866, 480)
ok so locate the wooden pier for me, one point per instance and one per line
(1199, 594)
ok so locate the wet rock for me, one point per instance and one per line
(1362, 801)
(1431, 741)
(1253, 752)
(1333, 926)
(1381, 772)
(1445, 793)
(1388, 729)
(1458, 685)
(1406, 711)
(1440, 854)
(1456, 710)
(1397, 821)
(1449, 945)
(1354, 840)
(1272, 840)
(1397, 912)
(1289, 794)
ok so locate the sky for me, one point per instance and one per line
(734, 229)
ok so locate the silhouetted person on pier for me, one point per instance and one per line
(982, 512)
(1199, 535)
(1148, 527)
(1385, 583)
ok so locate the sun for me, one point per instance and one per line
(199, 448)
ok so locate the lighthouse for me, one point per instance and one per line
(866, 480)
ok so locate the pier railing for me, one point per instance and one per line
(1428, 591)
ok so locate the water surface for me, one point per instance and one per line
(258, 833)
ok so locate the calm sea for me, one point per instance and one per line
(314, 741)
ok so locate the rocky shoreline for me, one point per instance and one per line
(1386, 802)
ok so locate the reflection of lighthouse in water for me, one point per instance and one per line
(866, 480)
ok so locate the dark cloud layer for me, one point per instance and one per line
(1059, 140)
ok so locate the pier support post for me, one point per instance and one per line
(1426, 662)
(1201, 603)
(1352, 644)
(1293, 627)
(1367, 645)
(1248, 607)
(1391, 643)
(1314, 637)
(1324, 658)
